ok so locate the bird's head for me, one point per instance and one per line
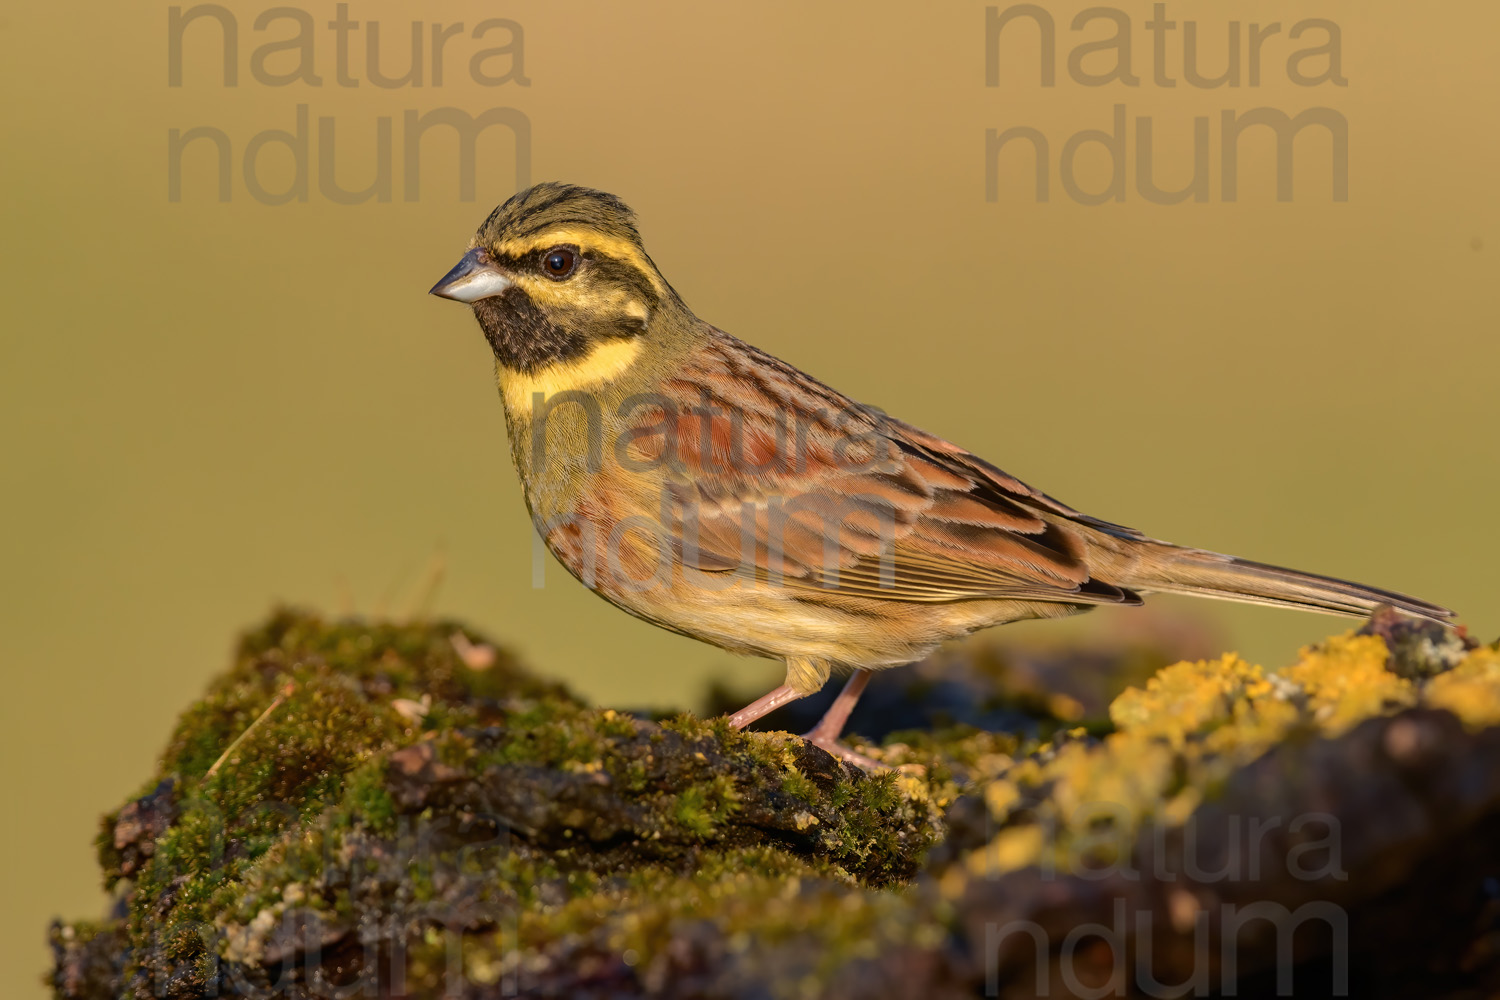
(556, 274)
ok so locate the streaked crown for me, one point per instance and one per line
(535, 211)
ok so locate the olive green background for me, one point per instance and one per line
(210, 407)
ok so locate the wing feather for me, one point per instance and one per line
(778, 477)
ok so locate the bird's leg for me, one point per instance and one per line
(829, 728)
(765, 705)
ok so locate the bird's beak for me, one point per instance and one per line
(475, 278)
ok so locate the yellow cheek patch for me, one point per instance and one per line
(606, 362)
(581, 298)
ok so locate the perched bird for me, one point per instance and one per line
(707, 487)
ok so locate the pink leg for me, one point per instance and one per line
(829, 728)
(831, 725)
(764, 705)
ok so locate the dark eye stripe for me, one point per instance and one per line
(619, 272)
(602, 267)
(531, 260)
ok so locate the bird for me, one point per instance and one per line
(705, 486)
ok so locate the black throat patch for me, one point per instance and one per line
(522, 337)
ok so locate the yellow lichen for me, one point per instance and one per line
(1346, 681)
(1186, 699)
(1187, 729)
(1014, 847)
(1470, 690)
(1000, 797)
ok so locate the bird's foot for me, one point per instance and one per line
(833, 746)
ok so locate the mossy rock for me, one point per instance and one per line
(380, 809)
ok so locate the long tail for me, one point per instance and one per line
(1173, 570)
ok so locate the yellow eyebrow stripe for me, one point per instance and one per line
(605, 362)
(586, 239)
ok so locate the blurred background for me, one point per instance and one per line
(214, 404)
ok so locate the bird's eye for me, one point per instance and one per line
(559, 262)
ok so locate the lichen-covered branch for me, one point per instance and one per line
(420, 816)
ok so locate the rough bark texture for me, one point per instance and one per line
(418, 816)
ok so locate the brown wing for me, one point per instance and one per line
(775, 475)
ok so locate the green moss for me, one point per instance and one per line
(797, 784)
(350, 769)
(702, 808)
(366, 799)
(311, 764)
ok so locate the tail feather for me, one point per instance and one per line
(1209, 574)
